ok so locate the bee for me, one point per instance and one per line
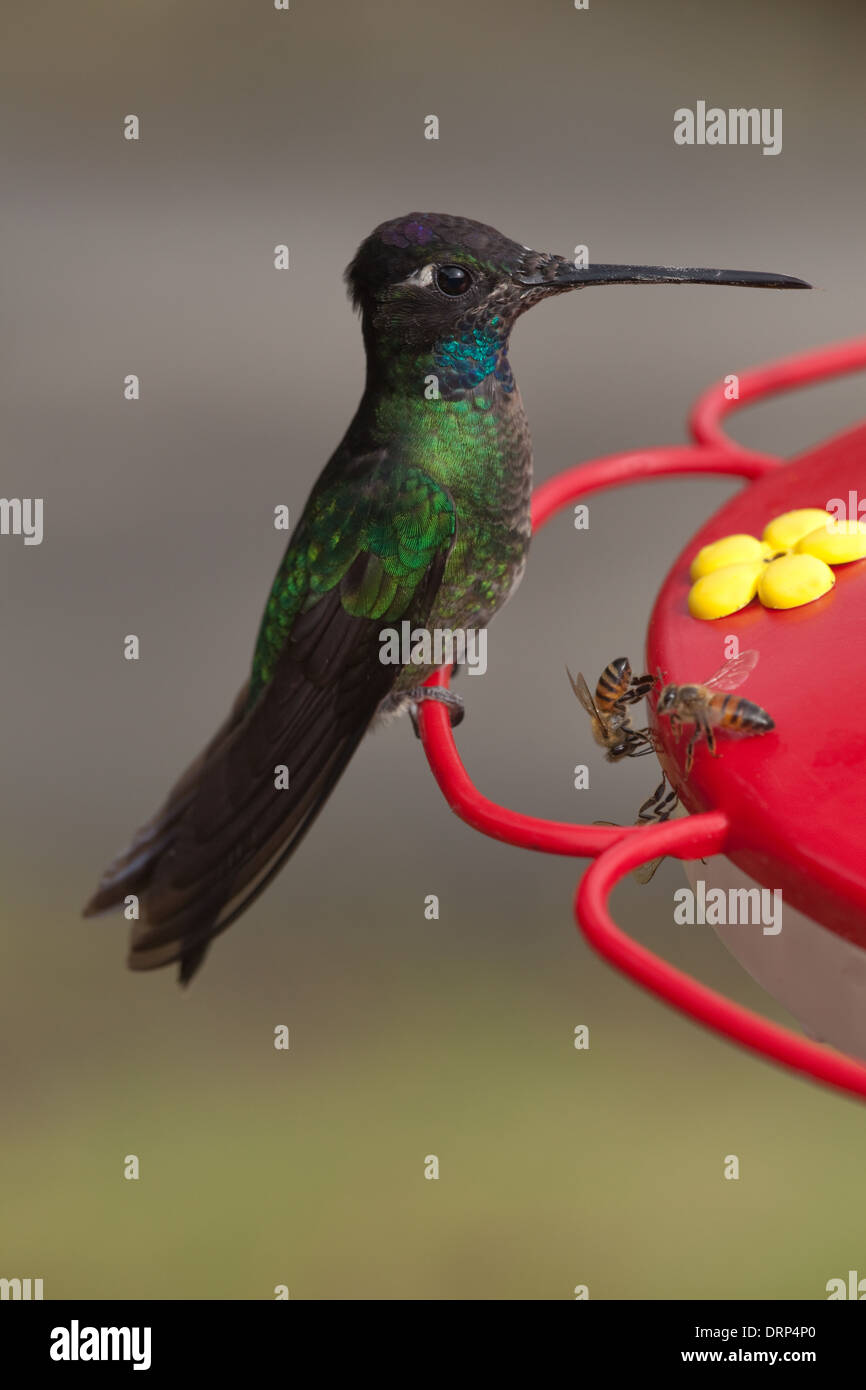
(711, 705)
(658, 807)
(617, 688)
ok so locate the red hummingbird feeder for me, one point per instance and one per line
(786, 811)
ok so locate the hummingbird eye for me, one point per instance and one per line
(453, 280)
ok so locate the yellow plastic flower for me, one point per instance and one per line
(787, 567)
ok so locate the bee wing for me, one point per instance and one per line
(734, 672)
(644, 872)
(582, 691)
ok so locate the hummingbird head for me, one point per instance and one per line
(453, 288)
(439, 286)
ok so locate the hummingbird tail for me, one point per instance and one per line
(244, 805)
(209, 852)
(129, 874)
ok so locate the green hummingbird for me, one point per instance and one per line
(421, 516)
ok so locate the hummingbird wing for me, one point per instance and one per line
(369, 551)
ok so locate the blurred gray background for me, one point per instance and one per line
(408, 1037)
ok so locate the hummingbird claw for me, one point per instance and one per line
(419, 693)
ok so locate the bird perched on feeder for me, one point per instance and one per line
(421, 515)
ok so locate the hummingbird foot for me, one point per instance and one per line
(419, 693)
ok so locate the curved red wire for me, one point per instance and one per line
(789, 373)
(680, 838)
(620, 849)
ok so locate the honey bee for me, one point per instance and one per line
(658, 807)
(617, 688)
(711, 706)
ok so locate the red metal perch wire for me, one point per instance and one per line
(617, 850)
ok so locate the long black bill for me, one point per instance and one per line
(555, 272)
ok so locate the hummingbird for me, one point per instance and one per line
(421, 515)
